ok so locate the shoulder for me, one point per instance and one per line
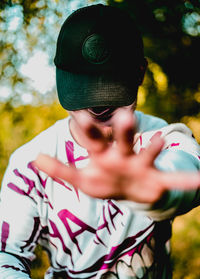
(148, 122)
(178, 137)
(45, 142)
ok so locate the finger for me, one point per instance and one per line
(181, 180)
(149, 154)
(100, 184)
(56, 169)
(124, 124)
(93, 136)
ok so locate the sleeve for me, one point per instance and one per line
(24, 203)
(180, 153)
(11, 267)
(19, 217)
(146, 122)
(175, 202)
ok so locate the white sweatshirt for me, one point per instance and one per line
(87, 237)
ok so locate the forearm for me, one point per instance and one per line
(177, 202)
(173, 202)
(11, 267)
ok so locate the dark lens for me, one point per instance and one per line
(99, 110)
(102, 110)
(102, 113)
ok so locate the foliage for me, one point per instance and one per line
(20, 124)
(31, 27)
(171, 32)
(186, 246)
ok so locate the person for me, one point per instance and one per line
(98, 190)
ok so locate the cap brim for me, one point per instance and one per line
(79, 91)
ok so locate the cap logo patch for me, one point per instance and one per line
(95, 50)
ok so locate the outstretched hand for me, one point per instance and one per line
(114, 170)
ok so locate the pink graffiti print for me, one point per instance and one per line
(157, 134)
(69, 148)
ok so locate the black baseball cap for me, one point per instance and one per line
(98, 57)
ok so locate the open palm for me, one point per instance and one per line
(114, 170)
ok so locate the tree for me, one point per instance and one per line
(171, 32)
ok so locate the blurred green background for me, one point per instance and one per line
(171, 89)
